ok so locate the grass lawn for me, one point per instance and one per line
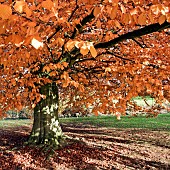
(162, 122)
(14, 123)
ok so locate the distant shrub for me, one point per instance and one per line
(25, 113)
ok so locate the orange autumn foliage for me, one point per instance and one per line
(101, 51)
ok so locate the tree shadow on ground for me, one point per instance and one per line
(14, 136)
(95, 152)
(122, 135)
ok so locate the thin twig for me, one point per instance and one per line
(58, 28)
(73, 12)
(117, 56)
(137, 42)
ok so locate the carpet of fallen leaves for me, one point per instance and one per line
(94, 148)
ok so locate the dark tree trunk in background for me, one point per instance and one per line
(46, 129)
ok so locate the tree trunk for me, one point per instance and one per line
(46, 129)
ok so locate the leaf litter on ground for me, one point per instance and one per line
(94, 148)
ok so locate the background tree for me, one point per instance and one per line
(101, 51)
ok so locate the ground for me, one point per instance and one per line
(93, 148)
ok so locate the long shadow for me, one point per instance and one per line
(13, 136)
(76, 155)
(109, 137)
(9, 139)
(143, 164)
(81, 156)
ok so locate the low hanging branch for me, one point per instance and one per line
(130, 35)
(134, 34)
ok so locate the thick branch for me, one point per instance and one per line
(134, 34)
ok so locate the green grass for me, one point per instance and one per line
(14, 123)
(161, 122)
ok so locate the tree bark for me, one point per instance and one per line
(46, 129)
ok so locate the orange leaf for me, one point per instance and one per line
(162, 19)
(66, 83)
(98, 24)
(31, 24)
(108, 69)
(5, 11)
(117, 24)
(93, 51)
(19, 106)
(97, 11)
(48, 4)
(18, 40)
(65, 76)
(95, 111)
(70, 44)
(60, 41)
(142, 19)
(2, 28)
(115, 2)
(46, 69)
(84, 50)
(28, 11)
(75, 84)
(65, 64)
(168, 17)
(81, 88)
(151, 17)
(113, 12)
(125, 18)
(19, 6)
(123, 9)
(134, 11)
(53, 73)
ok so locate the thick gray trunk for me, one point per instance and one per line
(46, 128)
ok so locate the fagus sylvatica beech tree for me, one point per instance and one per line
(97, 52)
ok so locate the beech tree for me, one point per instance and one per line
(95, 51)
